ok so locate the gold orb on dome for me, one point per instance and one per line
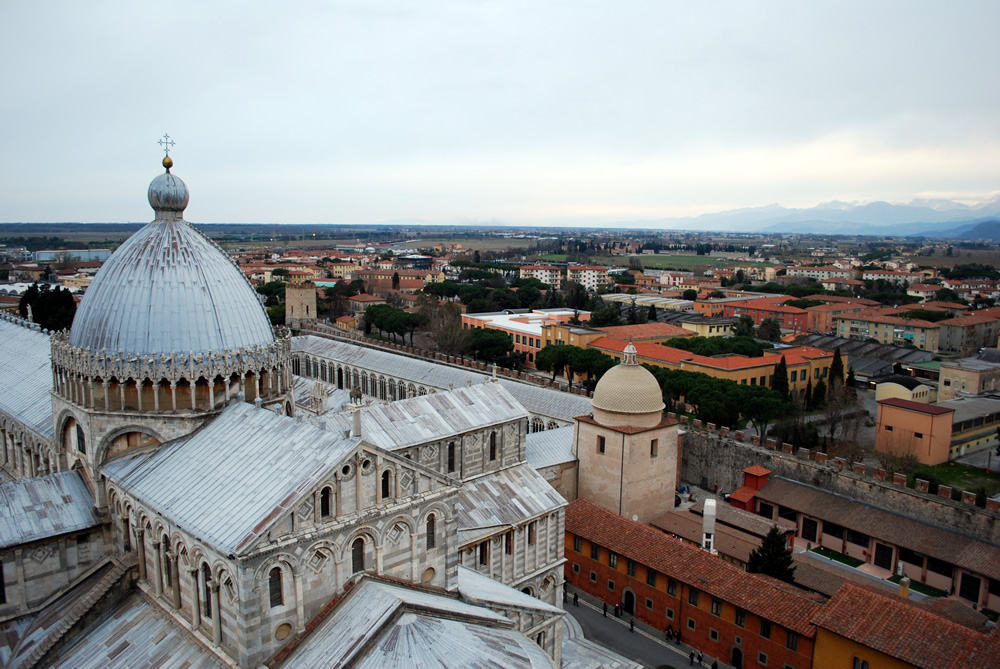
(168, 162)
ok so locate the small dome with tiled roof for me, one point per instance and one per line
(628, 388)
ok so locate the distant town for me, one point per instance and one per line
(752, 443)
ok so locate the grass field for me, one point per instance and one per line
(839, 557)
(920, 587)
(961, 477)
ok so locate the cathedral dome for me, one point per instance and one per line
(170, 288)
(628, 388)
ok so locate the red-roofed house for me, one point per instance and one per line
(754, 478)
(861, 627)
(748, 620)
(904, 427)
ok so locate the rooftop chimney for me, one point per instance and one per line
(708, 527)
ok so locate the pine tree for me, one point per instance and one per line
(807, 401)
(836, 369)
(651, 316)
(773, 557)
(851, 380)
(819, 395)
(780, 382)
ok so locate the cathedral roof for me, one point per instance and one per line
(197, 481)
(45, 506)
(497, 501)
(26, 376)
(418, 420)
(536, 399)
(383, 625)
(169, 288)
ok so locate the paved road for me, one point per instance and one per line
(645, 646)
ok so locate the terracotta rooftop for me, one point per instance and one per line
(743, 495)
(646, 331)
(757, 470)
(905, 631)
(710, 574)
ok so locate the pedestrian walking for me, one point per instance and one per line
(715, 665)
(605, 609)
(701, 656)
(631, 625)
(691, 658)
(576, 599)
(678, 637)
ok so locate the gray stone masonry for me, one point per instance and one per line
(710, 457)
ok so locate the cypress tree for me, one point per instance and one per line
(772, 557)
(836, 369)
(807, 401)
(780, 381)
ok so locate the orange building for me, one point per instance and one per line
(748, 620)
(904, 427)
(806, 364)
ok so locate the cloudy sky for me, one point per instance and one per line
(531, 112)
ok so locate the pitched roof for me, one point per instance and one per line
(494, 502)
(44, 506)
(384, 625)
(646, 331)
(536, 399)
(549, 447)
(906, 632)
(26, 375)
(757, 470)
(708, 573)
(437, 416)
(938, 542)
(209, 500)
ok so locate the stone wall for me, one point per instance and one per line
(709, 458)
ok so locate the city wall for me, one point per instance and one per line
(714, 455)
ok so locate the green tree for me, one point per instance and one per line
(744, 326)
(395, 280)
(851, 380)
(276, 314)
(807, 399)
(606, 316)
(552, 358)
(690, 294)
(773, 558)
(819, 394)
(761, 406)
(769, 329)
(651, 314)
(52, 309)
(491, 345)
(836, 370)
(780, 381)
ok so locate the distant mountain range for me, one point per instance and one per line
(929, 218)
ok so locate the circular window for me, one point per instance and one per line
(429, 574)
(346, 470)
(366, 466)
(283, 631)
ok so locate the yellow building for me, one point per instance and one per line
(860, 628)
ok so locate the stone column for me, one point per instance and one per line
(157, 569)
(173, 395)
(141, 546)
(300, 612)
(217, 613)
(195, 599)
(175, 581)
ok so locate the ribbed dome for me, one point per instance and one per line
(628, 388)
(169, 288)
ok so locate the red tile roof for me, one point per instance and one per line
(648, 546)
(930, 409)
(904, 631)
(744, 494)
(757, 470)
(646, 331)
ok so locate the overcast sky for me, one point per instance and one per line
(530, 112)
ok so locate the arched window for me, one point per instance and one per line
(165, 546)
(274, 587)
(451, 457)
(324, 503)
(358, 555)
(386, 480)
(81, 442)
(430, 531)
(206, 574)
(493, 446)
